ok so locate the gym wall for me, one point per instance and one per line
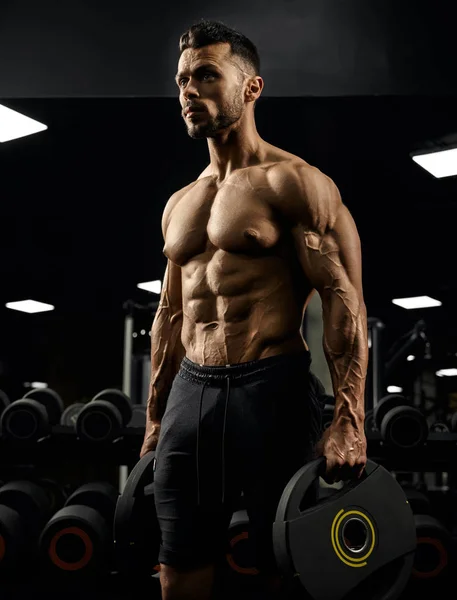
(313, 48)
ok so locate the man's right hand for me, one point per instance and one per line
(151, 438)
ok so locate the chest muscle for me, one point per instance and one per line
(236, 217)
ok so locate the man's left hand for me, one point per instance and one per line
(345, 448)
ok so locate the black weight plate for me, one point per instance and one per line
(419, 501)
(13, 538)
(28, 499)
(4, 401)
(99, 495)
(51, 400)
(25, 420)
(138, 416)
(99, 421)
(404, 427)
(322, 546)
(76, 542)
(120, 400)
(433, 548)
(385, 405)
(70, 414)
(136, 529)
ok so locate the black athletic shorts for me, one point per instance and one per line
(246, 427)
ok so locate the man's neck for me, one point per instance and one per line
(223, 160)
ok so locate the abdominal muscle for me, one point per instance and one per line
(239, 308)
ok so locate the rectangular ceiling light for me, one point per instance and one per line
(447, 373)
(13, 125)
(439, 164)
(417, 302)
(394, 389)
(29, 306)
(151, 286)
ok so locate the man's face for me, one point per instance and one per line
(208, 79)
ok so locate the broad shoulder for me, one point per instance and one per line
(305, 194)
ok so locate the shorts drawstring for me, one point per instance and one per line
(242, 373)
(223, 438)
(198, 442)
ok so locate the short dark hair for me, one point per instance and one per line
(205, 32)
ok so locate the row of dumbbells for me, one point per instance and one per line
(51, 534)
(45, 530)
(436, 535)
(100, 420)
(400, 424)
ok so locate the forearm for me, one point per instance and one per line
(167, 353)
(346, 349)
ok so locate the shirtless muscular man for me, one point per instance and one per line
(231, 404)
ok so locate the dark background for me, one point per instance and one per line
(111, 48)
(351, 87)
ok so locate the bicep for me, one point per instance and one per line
(331, 259)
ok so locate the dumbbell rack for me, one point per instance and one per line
(62, 446)
(439, 452)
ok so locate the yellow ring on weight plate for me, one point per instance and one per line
(349, 560)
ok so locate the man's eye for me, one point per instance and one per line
(205, 75)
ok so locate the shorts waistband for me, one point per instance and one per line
(242, 371)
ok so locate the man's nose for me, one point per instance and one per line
(190, 89)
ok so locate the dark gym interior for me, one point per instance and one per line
(357, 90)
